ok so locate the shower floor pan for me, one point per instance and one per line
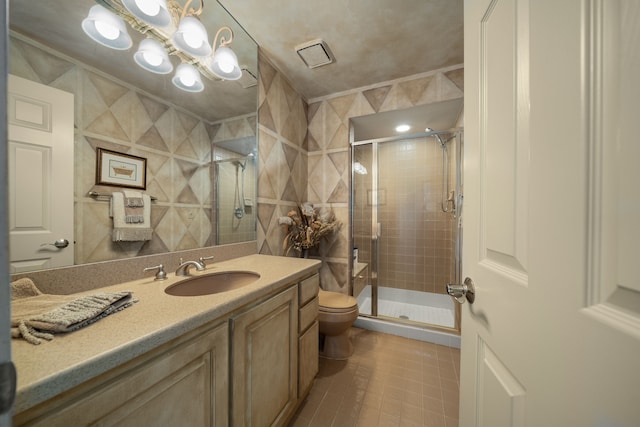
(422, 307)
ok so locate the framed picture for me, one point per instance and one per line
(120, 170)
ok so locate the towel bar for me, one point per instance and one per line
(95, 195)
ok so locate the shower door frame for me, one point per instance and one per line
(215, 200)
(458, 133)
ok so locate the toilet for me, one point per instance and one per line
(336, 313)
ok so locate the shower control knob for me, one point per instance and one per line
(461, 292)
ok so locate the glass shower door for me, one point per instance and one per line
(401, 228)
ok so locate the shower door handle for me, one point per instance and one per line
(461, 292)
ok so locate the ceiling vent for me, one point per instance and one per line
(248, 79)
(315, 53)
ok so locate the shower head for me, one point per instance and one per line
(437, 136)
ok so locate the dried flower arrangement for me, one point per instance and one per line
(306, 226)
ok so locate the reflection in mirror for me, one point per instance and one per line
(235, 190)
(121, 107)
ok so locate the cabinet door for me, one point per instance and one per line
(265, 362)
(308, 361)
(184, 384)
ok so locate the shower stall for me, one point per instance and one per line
(234, 200)
(406, 230)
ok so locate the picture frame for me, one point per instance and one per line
(120, 169)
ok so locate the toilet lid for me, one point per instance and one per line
(335, 301)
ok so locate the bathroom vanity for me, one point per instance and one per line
(244, 357)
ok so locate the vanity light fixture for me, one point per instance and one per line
(191, 37)
(187, 78)
(152, 12)
(106, 28)
(224, 63)
(152, 57)
(171, 29)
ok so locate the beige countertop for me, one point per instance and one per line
(55, 366)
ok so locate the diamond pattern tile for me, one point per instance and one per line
(177, 147)
(328, 148)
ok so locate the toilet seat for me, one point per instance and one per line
(335, 302)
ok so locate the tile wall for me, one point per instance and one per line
(417, 245)
(112, 115)
(326, 148)
(282, 154)
(234, 185)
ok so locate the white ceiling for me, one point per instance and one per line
(373, 41)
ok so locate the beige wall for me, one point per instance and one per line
(282, 154)
(112, 115)
(294, 169)
(329, 163)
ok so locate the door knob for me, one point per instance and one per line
(461, 292)
(60, 243)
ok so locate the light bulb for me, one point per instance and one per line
(193, 40)
(226, 65)
(150, 8)
(187, 80)
(107, 31)
(152, 58)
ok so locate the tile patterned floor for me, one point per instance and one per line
(389, 381)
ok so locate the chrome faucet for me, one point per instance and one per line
(184, 267)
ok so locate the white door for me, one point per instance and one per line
(40, 156)
(552, 214)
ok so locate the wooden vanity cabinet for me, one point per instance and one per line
(264, 358)
(183, 383)
(308, 333)
(251, 368)
(274, 356)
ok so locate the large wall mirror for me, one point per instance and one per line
(199, 149)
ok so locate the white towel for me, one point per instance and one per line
(129, 232)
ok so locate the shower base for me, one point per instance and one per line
(423, 307)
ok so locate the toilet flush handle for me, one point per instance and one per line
(461, 292)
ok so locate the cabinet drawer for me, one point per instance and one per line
(308, 359)
(308, 314)
(309, 288)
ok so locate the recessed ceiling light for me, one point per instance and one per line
(402, 128)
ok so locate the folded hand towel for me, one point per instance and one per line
(133, 198)
(36, 315)
(134, 231)
(133, 207)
